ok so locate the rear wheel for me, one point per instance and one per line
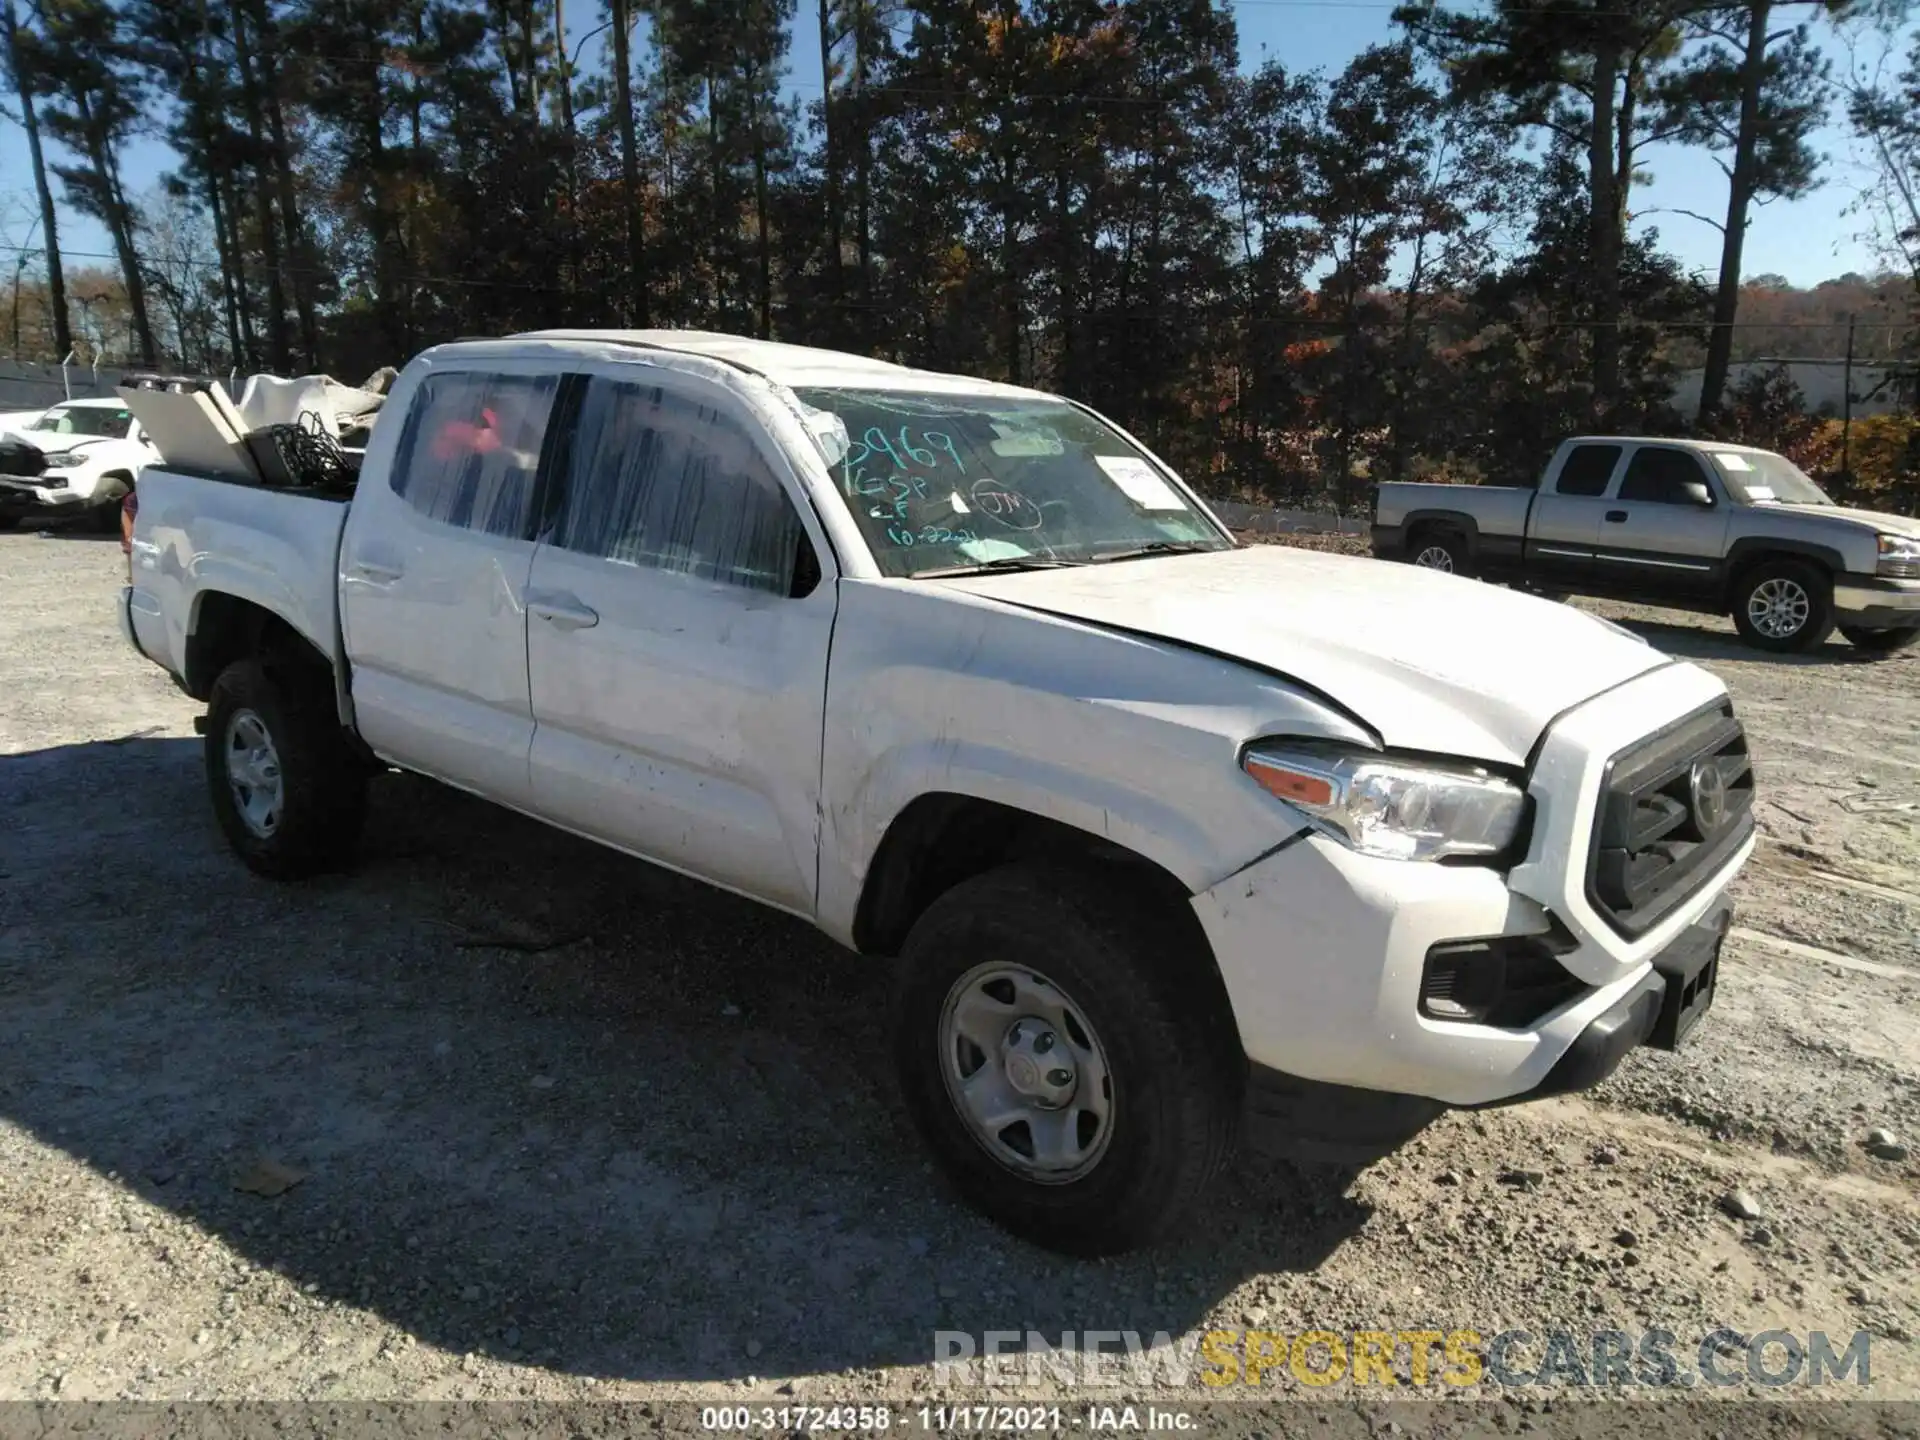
(1784, 606)
(288, 792)
(1067, 1055)
(1879, 642)
(1444, 550)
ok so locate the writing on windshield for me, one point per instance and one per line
(936, 482)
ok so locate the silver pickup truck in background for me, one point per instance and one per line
(1723, 529)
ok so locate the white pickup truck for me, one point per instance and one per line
(94, 449)
(1166, 840)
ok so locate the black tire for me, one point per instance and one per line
(1877, 641)
(106, 518)
(323, 785)
(1144, 987)
(7, 522)
(1438, 548)
(1784, 580)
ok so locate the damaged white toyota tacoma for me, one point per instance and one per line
(1168, 842)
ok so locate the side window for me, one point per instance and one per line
(1662, 477)
(472, 447)
(658, 481)
(1587, 470)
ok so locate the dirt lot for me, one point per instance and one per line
(569, 1127)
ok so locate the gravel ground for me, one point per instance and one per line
(548, 1123)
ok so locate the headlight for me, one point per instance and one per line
(1395, 809)
(1899, 556)
(60, 459)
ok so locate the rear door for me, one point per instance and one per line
(1664, 531)
(677, 638)
(1564, 528)
(433, 578)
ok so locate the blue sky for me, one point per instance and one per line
(1807, 240)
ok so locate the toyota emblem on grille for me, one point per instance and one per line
(1707, 788)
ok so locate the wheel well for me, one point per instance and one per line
(1422, 530)
(227, 628)
(941, 839)
(1753, 560)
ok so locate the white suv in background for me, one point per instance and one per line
(94, 449)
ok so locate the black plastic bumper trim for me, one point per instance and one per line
(1598, 1050)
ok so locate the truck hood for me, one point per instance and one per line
(1872, 519)
(1429, 661)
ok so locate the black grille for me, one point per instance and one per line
(1672, 808)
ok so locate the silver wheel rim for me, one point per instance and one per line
(253, 773)
(1435, 557)
(1026, 1073)
(1779, 607)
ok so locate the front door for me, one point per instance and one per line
(677, 641)
(433, 574)
(1664, 531)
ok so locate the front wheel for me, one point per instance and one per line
(288, 792)
(1067, 1054)
(1879, 641)
(106, 516)
(1784, 606)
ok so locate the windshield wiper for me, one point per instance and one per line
(1005, 562)
(1158, 547)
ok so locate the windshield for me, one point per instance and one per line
(99, 421)
(945, 483)
(1759, 477)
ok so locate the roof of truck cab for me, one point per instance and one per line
(794, 366)
(87, 403)
(1683, 442)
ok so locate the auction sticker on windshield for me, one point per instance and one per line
(1142, 485)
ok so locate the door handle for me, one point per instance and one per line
(1615, 517)
(564, 612)
(375, 571)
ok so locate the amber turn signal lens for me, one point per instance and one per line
(1295, 785)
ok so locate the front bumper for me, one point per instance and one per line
(20, 496)
(1877, 604)
(1312, 1120)
(1324, 952)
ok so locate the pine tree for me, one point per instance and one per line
(1755, 95)
(1585, 71)
(95, 102)
(25, 83)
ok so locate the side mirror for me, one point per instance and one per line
(1697, 493)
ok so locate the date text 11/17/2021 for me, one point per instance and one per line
(946, 1419)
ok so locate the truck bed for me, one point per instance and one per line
(1495, 509)
(277, 548)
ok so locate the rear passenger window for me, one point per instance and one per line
(1661, 476)
(472, 447)
(1587, 470)
(660, 482)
